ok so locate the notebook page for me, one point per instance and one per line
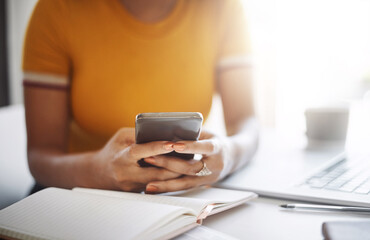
(218, 195)
(222, 199)
(204, 233)
(172, 227)
(62, 214)
(195, 204)
(196, 199)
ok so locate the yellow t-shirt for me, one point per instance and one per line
(116, 66)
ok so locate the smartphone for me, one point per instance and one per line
(168, 126)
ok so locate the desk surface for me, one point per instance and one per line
(259, 219)
(263, 219)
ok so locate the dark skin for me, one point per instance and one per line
(115, 165)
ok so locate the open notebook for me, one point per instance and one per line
(84, 213)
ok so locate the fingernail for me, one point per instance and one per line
(150, 160)
(179, 146)
(151, 188)
(168, 146)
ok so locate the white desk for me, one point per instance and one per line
(262, 219)
(259, 219)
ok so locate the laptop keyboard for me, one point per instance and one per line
(343, 177)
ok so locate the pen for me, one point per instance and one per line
(316, 207)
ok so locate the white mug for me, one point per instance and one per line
(327, 123)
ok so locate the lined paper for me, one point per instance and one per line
(64, 214)
(196, 199)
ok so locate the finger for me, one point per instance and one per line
(131, 187)
(176, 164)
(125, 134)
(204, 134)
(208, 147)
(145, 175)
(178, 184)
(130, 132)
(143, 150)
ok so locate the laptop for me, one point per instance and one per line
(306, 176)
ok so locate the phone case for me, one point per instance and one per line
(168, 126)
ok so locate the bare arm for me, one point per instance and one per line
(47, 118)
(112, 167)
(235, 89)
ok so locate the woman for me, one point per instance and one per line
(90, 66)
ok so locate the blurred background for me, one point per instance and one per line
(307, 53)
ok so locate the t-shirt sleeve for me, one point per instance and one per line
(234, 46)
(46, 48)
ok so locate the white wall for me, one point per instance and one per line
(308, 53)
(262, 23)
(18, 13)
(323, 56)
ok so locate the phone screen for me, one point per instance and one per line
(168, 127)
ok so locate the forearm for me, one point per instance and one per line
(242, 145)
(58, 169)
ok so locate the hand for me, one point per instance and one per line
(213, 152)
(115, 166)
